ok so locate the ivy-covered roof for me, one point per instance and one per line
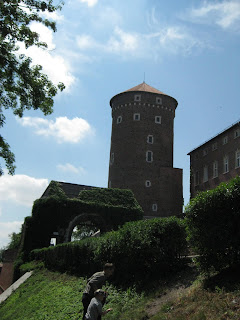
(71, 190)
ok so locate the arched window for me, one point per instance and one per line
(148, 183)
(154, 207)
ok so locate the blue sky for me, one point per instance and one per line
(186, 49)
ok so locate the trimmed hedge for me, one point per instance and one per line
(138, 250)
(213, 225)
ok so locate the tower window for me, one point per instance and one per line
(158, 119)
(149, 156)
(119, 119)
(150, 139)
(158, 100)
(154, 207)
(136, 116)
(148, 183)
(137, 97)
(112, 158)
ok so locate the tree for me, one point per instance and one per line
(22, 85)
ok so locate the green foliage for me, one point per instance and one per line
(138, 250)
(15, 239)
(54, 213)
(22, 86)
(143, 248)
(75, 257)
(213, 224)
(110, 197)
(55, 190)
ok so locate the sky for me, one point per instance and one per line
(187, 49)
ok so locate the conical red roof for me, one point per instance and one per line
(144, 87)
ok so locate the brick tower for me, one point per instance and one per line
(141, 155)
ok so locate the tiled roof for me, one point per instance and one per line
(71, 190)
(145, 87)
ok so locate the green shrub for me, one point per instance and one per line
(213, 224)
(143, 248)
(138, 250)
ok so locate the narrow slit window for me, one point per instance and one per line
(158, 119)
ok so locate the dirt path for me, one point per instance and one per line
(178, 287)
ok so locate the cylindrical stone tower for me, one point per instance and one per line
(141, 155)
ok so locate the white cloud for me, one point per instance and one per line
(225, 14)
(6, 228)
(54, 65)
(174, 40)
(123, 41)
(68, 167)
(63, 129)
(90, 3)
(86, 42)
(21, 189)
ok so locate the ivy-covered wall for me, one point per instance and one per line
(114, 207)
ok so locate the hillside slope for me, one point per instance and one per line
(50, 295)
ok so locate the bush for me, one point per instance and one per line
(143, 248)
(138, 250)
(213, 224)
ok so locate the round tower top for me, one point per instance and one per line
(142, 87)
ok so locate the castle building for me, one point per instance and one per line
(141, 153)
(216, 160)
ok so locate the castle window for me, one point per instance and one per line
(112, 158)
(225, 164)
(154, 207)
(110, 184)
(205, 174)
(136, 116)
(225, 140)
(196, 178)
(158, 100)
(158, 119)
(148, 183)
(205, 152)
(237, 159)
(137, 97)
(215, 169)
(150, 139)
(214, 146)
(119, 119)
(149, 156)
(237, 133)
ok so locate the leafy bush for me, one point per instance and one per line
(213, 224)
(138, 250)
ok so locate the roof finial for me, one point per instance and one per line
(144, 77)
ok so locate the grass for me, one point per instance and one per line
(51, 295)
